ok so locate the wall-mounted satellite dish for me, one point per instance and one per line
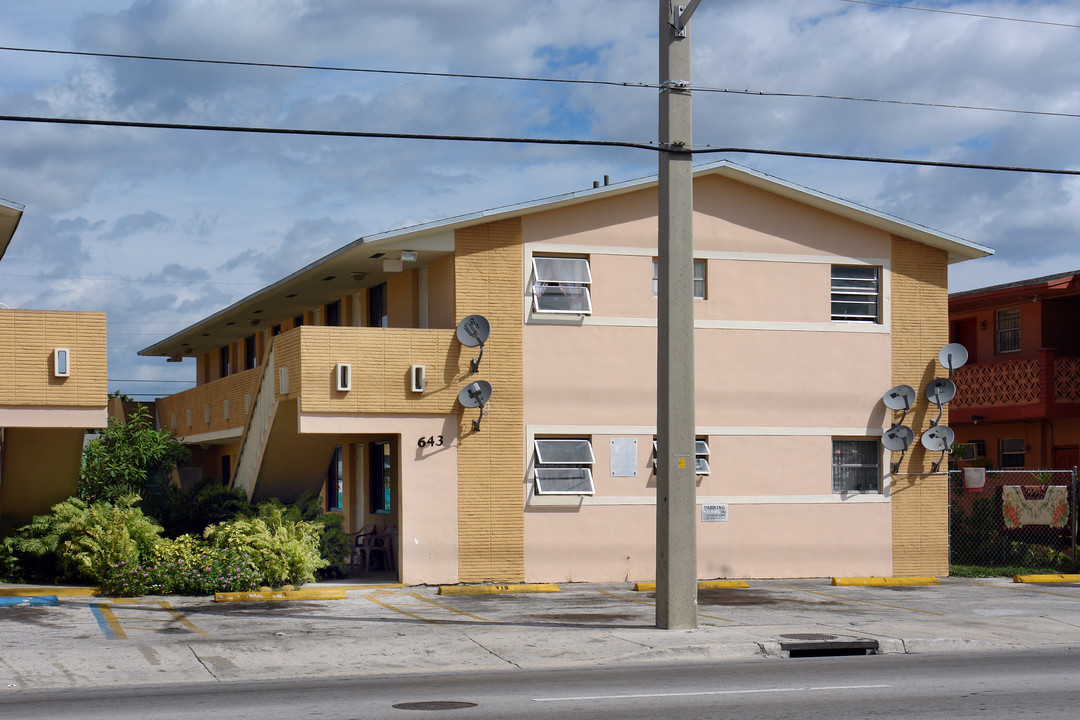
(953, 356)
(473, 331)
(940, 391)
(898, 438)
(901, 397)
(938, 438)
(475, 394)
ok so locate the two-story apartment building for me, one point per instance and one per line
(345, 377)
(53, 387)
(1017, 400)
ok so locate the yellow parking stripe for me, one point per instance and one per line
(423, 609)
(869, 602)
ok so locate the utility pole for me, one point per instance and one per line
(676, 491)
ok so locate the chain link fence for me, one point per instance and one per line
(1012, 522)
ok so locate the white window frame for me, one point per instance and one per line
(553, 470)
(701, 456)
(847, 290)
(549, 283)
(701, 278)
(874, 445)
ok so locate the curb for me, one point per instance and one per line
(1045, 578)
(281, 595)
(20, 601)
(882, 581)
(702, 585)
(498, 589)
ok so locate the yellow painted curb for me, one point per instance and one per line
(280, 595)
(702, 585)
(57, 591)
(1045, 578)
(497, 589)
(880, 581)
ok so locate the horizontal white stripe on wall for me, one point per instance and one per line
(848, 327)
(570, 249)
(848, 499)
(532, 430)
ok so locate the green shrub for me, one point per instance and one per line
(184, 566)
(284, 551)
(334, 546)
(80, 541)
(206, 503)
(125, 457)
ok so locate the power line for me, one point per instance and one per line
(333, 68)
(707, 150)
(521, 78)
(957, 12)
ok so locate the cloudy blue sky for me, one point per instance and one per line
(160, 228)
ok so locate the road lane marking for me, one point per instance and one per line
(636, 696)
(869, 602)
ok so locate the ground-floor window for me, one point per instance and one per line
(564, 466)
(1012, 452)
(856, 466)
(379, 477)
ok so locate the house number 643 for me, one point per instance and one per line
(433, 441)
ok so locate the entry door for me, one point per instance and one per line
(380, 478)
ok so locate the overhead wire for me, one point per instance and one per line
(654, 147)
(960, 12)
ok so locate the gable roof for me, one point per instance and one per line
(10, 214)
(1061, 284)
(335, 274)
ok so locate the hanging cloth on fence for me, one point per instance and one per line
(1023, 505)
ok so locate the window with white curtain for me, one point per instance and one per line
(561, 285)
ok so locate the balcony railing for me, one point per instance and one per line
(1044, 380)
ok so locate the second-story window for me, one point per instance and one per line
(562, 285)
(333, 314)
(699, 279)
(250, 357)
(856, 293)
(223, 362)
(1008, 330)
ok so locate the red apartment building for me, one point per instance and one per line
(1017, 401)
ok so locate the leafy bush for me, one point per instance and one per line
(184, 566)
(334, 546)
(126, 456)
(206, 503)
(284, 551)
(79, 541)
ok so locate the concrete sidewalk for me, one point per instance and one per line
(87, 641)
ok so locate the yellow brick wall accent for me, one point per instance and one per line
(491, 534)
(213, 393)
(27, 341)
(920, 328)
(381, 359)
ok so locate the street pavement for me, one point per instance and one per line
(84, 641)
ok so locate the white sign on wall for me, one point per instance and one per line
(623, 457)
(714, 512)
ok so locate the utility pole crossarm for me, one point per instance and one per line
(680, 15)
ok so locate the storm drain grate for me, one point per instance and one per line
(808, 636)
(435, 705)
(828, 648)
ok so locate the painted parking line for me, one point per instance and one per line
(857, 600)
(652, 604)
(1022, 587)
(421, 608)
(118, 617)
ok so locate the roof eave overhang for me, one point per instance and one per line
(10, 214)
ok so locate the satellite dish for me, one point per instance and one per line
(897, 438)
(953, 356)
(938, 438)
(901, 397)
(940, 391)
(475, 394)
(473, 331)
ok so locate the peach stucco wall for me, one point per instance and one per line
(775, 381)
